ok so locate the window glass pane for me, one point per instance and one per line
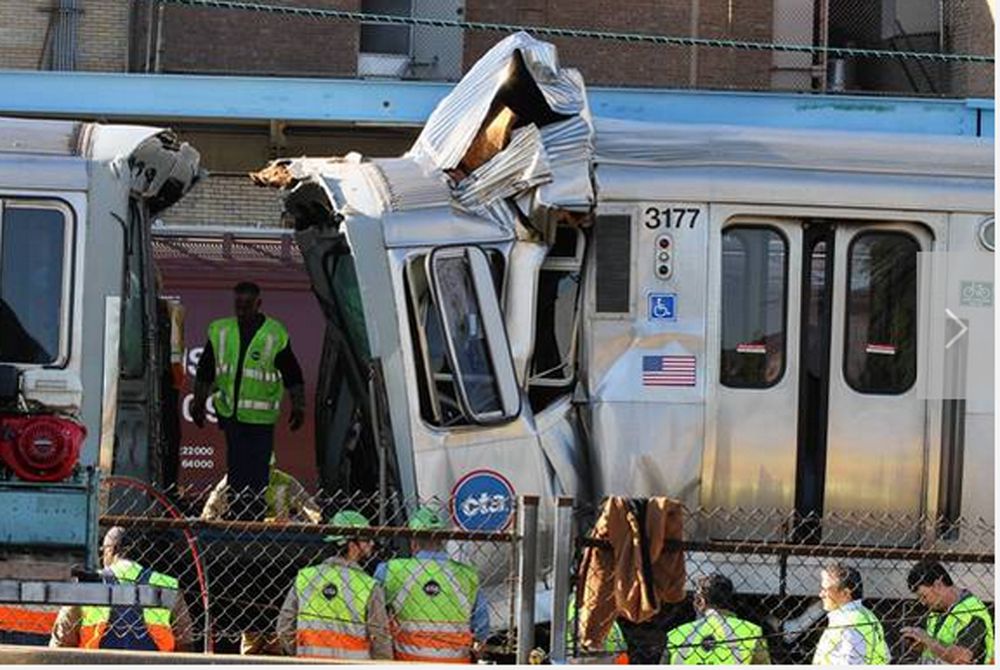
(133, 333)
(815, 326)
(754, 270)
(460, 312)
(566, 242)
(348, 295)
(881, 340)
(31, 284)
(555, 316)
(383, 38)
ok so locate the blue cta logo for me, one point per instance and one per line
(482, 500)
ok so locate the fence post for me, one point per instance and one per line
(562, 557)
(528, 531)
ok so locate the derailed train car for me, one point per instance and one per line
(735, 317)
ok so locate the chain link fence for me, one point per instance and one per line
(859, 46)
(622, 577)
(236, 575)
(773, 559)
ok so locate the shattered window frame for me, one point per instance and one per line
(448, 399)
(559, 266)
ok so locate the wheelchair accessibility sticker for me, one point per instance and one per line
(662, 306)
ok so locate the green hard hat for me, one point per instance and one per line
(426, 518)
(348, 518)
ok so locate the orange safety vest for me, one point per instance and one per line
(30, 619)
(156, 620)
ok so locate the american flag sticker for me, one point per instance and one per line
(880, 349)
(668, 370)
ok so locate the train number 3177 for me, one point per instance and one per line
(670, 217)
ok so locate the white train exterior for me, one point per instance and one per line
(734, 317)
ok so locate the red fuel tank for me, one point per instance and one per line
(40, 448)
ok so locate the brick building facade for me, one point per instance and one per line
(146, 35)
(149, 36)
(971, 30)
(229, 41)
(28, 29)
(614, 63)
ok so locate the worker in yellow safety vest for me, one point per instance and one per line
(246, 361)
(285, 498)
(436, 609)
(717, 636)
(959, 628)
(125, 626)
(854, 635)
(335, 609)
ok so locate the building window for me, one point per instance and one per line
(386, 38)
(34, 267)
(881, 337)
(754, 280)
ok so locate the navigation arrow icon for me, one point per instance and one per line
(962, 328)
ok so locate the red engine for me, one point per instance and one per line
(40, 448)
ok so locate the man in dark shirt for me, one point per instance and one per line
(241, 364)
(959, 629)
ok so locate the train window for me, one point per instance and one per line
(881, 337)
(613, 256)
(556, 315)
(133, 328)
(33, 286)
(754, 281)
(344, 282)
(555, 326)
(459, 338)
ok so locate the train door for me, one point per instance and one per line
(818, 408)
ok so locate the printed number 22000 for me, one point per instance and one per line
(670, 217)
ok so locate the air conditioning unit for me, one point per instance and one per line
(389, 66)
